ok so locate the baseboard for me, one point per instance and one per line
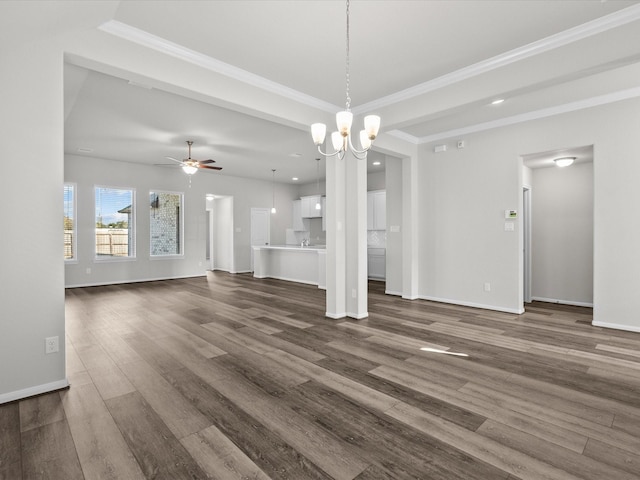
(517, 311)
(157, 279)
(616, 326)
(390, 292)
(358, 316)
(562, 302)
(33, 391)
(335, 316)
(286, 279)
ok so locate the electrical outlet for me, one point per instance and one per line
(487, 287)
(51, 345)
(354, 293)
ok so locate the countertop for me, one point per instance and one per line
(292, 247)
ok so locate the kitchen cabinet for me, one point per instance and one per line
(376, 263)
(377, 210)
(309, 206)
(298, 224)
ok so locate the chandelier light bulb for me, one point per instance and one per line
(337, 141)
(365, 140)
(344, 120)
(318, 132)
(371, 126)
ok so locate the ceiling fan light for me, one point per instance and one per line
(564, 161)
(189, 169)
(365, 141)
(371, 126)
(344, 120)
(318, 132)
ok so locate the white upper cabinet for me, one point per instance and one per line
(298, 223)
(377, 210)
(309, 206)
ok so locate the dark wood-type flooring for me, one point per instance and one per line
(230, 377)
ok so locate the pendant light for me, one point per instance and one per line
(273, 190)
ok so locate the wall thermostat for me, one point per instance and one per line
(511, 214)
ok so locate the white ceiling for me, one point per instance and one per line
(429, 68)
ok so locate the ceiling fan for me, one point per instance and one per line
(191, 166)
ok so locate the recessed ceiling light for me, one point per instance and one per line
(85, 150)
(295, 179)
(376, 163)
(295, 155)
(497, 101)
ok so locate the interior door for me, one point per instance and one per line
(260, 228)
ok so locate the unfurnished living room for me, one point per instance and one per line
(320, 239)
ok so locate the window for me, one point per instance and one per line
(165, 223)
(115, 221)
(70, 229)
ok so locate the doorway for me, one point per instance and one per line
(260, 228)
(219, 233)
(558, 227)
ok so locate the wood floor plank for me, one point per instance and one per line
(179, 415)
(159, 454)
(487, 408)
(407, 453)
(265, 448)
(220, 457)
(39, 411)
(581, 465)
(229, 376)
(491, 452)
(48, 452)
(10, 452)
(102, 450)
(330, 453)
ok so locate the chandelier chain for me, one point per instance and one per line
(347, 63)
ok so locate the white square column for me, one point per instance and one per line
(346, 213)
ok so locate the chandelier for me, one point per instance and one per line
(341, 139)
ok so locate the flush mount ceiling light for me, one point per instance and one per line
(497, 101)
(564, 161)
(341, 140)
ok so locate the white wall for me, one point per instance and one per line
(562, 234)
(463, 245)
(465, 192)
(393, 185)
(243, 193)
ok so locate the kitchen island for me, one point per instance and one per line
(294, 263)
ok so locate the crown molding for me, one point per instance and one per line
(407, 137)
(524, 117)
(159, 44)
(580, 32)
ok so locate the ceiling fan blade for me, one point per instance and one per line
(206, 161)
(210, 168)
(174, 159)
